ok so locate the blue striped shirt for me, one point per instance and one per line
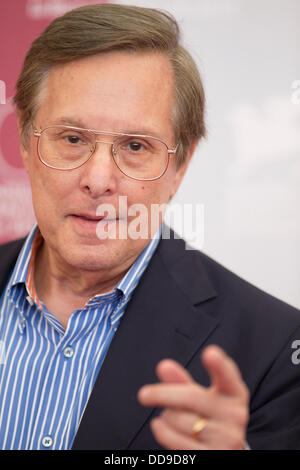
(46, 372)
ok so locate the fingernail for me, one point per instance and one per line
(143, 393)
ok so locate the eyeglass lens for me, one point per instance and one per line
(138, 157)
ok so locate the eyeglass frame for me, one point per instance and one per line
(94, 132)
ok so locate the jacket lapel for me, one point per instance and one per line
(160, 322)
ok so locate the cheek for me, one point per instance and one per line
(49, 190)
(152, 192)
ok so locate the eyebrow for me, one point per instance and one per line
(70, 122)
(78, 123)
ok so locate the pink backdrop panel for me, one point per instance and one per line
(21, 21)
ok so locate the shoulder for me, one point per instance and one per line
(10, 250)
(9, 253)
(258, 308)
(234, 296)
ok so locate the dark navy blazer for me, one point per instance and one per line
(184, 302)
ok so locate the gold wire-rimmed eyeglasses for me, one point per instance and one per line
(140, 157)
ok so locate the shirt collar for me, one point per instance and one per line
(20, 271)
(24, 268)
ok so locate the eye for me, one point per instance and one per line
(72, 139)
(135, 146)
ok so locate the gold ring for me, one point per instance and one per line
(198, 427)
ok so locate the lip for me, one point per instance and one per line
(88, 217)
(88, 223)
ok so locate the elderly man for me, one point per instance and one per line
(110, 109)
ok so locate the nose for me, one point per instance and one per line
(99, 174)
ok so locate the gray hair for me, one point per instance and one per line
(102, 28)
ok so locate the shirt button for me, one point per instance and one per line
(68, 352)
(47, 441)
(30, 300)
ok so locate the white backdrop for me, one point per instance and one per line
(247, 172)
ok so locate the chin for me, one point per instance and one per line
(89, 257)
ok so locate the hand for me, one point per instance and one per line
(224, 405)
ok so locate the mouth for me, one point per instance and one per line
(87, 217)
(92, 224)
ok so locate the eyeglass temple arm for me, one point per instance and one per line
(172, 151)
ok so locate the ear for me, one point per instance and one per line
(23, 149)
(181, 171)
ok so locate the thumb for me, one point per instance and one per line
(169, 371)
(224, 373)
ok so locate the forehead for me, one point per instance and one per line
(115, 89)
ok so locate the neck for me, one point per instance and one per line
(64, 289)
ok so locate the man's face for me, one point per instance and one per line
(113, 92)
